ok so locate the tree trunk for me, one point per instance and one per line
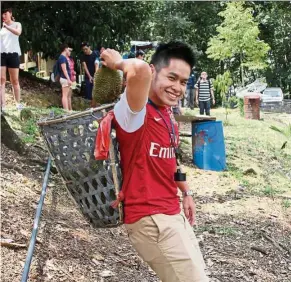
(9, 138)
(241, 70)
(221, 67)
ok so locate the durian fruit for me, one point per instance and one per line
(107, 85)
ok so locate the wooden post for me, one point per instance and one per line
(38, 61)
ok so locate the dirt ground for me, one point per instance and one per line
(244, 236)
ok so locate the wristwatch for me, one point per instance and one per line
(188, 193)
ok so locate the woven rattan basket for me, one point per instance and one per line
(92, 184)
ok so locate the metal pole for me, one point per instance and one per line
(35, 224)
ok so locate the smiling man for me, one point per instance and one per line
(148, 137)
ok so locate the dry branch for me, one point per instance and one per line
(12, 166)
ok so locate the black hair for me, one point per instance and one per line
(85, 44)
(63, 47)
(139, 53)
(6, 9)
(131, 55)
(172, 50)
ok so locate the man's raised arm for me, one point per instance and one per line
(138, 77)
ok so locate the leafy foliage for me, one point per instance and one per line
(238, 37)
(51, 23)
(284, 131)
(275, 27)
(222, 84)
(232, 36)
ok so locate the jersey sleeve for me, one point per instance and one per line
(128, 120)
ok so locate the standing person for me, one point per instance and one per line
(139, 54)
(190, 91)
(10, 52)
(90, 65)
(72, 77)
(65, 77)
(161, 235)
(98, 59)
(204, 93)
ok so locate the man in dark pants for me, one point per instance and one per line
(90, 64)
(190, 91)
(204, 93)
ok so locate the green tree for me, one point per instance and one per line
(275, 27)
(221, 85)
(47, 24)
(192, 22)
(238, 37)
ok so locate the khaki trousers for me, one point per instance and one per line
(168, 244)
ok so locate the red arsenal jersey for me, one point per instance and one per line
(151, 189)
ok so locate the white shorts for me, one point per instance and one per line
(64, 82)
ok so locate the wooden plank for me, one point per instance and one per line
(183, 118)
(185, 134)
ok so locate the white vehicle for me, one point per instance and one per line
(272, 95)
(257, 87)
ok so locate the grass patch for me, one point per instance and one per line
(30, 127)
(28, 139)
(269, 191)
(189, 112)
(57, 111)
(286, 203)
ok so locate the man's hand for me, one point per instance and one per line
(110, 58)
(91, 79)
(189, 209)
(69, 82)
(197, 102)
(213, 101)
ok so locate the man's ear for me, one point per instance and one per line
(153, 69)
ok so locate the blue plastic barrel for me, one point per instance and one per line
(209, 147)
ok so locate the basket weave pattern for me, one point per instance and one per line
(71, 143)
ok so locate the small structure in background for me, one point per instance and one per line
(34, 63)
(252, 106)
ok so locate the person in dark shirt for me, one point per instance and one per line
(90, 64)
(65, 79)
(190, 91)
(139, 54)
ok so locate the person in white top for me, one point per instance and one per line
(10, 52)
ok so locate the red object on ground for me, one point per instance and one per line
(252, 106)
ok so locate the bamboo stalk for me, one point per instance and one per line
(115, 177)
(72, 116)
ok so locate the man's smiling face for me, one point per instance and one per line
(169, 84)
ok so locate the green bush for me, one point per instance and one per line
(241, 106)
(233, 101)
